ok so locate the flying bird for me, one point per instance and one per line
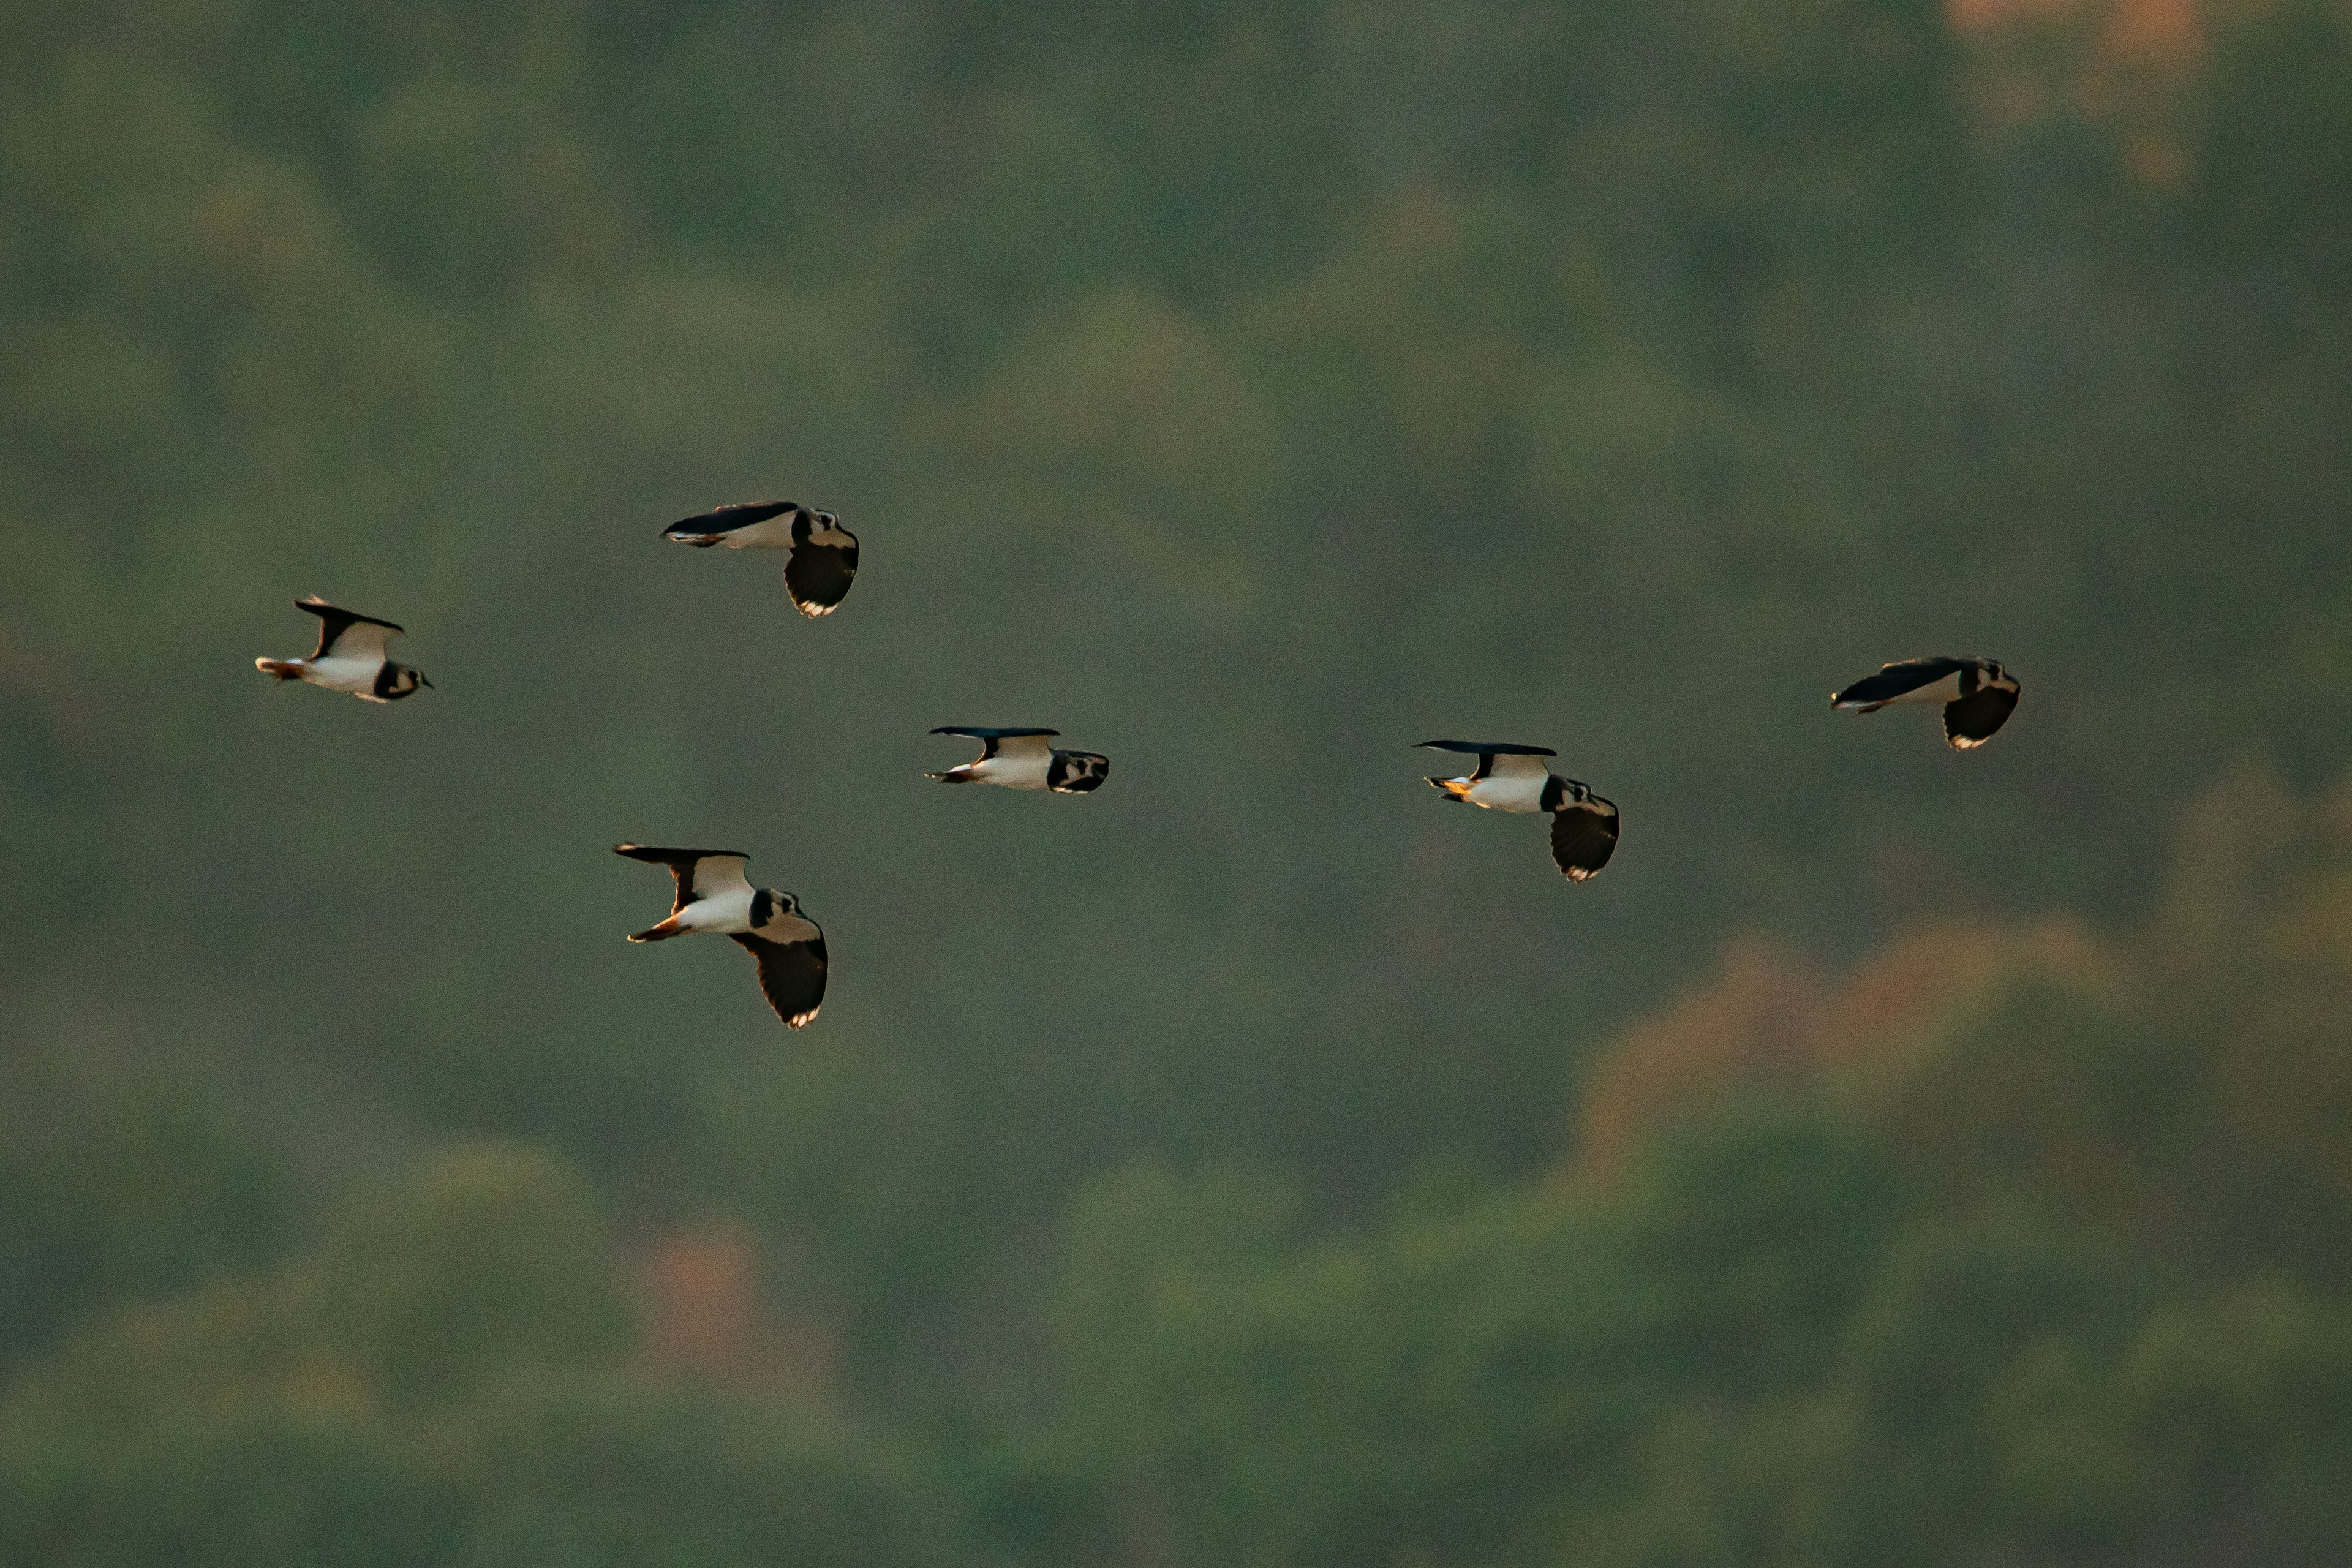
(351, 656)
(1978, 695)
(824, 558)
(1020, 759)
(1514, 778)
(714, 895)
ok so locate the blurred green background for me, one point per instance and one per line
(1895, 1157)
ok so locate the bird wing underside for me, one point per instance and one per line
(699, 873)
(1969, 721)
(1898, 679)
(347, 634)
(728, 519)
(792, 976)
(1002, 742)
(1512, 764)
(818, 576)
(1583, 837)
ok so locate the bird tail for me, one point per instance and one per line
(953, 775)
(661, 932)
(699, 540)
(1452, 791)
(283, 668)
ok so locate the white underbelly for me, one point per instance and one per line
(729, 912)
(1507, 794)
(356, 675)
(1012, 773)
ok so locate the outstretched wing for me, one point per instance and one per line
(347, 634)
(1076, 773)
(1896, 680)
(1971, 720)
(792, 976)
(817, 577)
(1486, 748)
(1583, 837)
(699, 873)
(1010, 742)
(711, 527)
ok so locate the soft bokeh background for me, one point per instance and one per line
(1897, 1157)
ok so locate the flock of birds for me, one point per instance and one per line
(713, 894)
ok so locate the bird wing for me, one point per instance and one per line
(1896, 680)
(728, 519)
(817, 577)
(1512, 764)
(1076, 773)
(1969, 721)
(792, 975)
(699, 873)
(1583, 837)
(1021, 743)
(1488, 748)
(347, 634)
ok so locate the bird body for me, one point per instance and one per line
(1022, 759)
(1513, 778)
(1977, 694)
(824, 560)
(714, 898)
(351, 656)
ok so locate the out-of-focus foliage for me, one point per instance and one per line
(1894, 1157)
(2035, 1252)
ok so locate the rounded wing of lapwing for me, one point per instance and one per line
(1076, 772)
(1014, 759)
(1978, 695)
(823, 562)
(1969, 721)
(1583, 833)
(792, 974)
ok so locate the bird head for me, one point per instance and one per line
(405, 679)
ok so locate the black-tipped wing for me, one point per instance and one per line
(360, 636)
(1971, 720)
(1486, 748)
(817, 577)
(697, 872)
(1583, 837)
(792, 976)
(1894, 680)
(726, 520)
